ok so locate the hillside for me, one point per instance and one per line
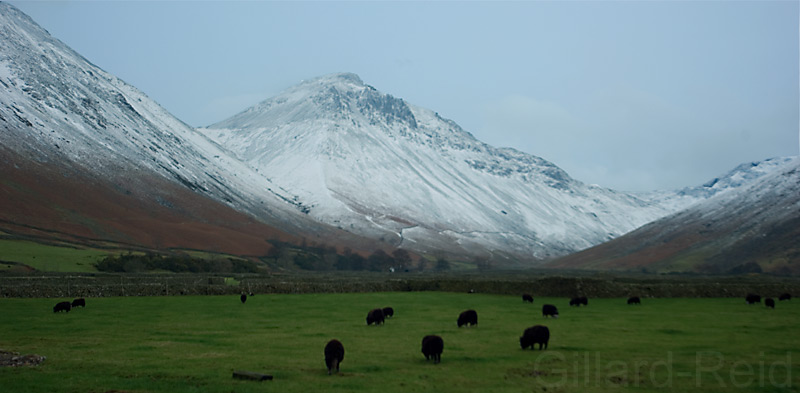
(752, 229)
(86, 156)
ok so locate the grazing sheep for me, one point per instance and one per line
(526, 297)
(785, 296)
(469, 317)
(79, 302)
(577, 301)
(375, 316)
(432, 347)
(549, 310)
(388, 312)
(769, 302)
(243, 298)
(752, 298)
(62, 306)
(535, 335)
(634, 300)
(334, 354)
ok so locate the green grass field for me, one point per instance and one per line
(192, 344)
(51, 258)
(70, 258)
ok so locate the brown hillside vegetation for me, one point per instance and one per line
(693, 248)
(57, 200)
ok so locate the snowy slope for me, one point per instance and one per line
(371, 163)
(57, 107)
(740, 176)
(53, 97)
(756, 223)
(732, 181)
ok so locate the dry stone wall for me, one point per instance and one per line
(66, 286)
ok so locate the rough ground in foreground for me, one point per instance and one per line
(14, 359)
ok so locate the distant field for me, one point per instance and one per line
(192, 344)
(50, 258)
(67, 258)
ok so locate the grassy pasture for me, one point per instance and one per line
(70, 258)
(51, 258)
(193, 343)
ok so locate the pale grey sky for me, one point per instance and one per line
(634, 96)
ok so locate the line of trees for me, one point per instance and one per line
(326, 259)
(182, 263)
(283, 255)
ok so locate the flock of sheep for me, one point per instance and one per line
(752, 298)
(433, 345)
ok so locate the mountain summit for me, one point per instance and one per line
(348, 155)
(336, 94)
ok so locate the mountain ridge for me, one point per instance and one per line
(331, 159)
(320, 129)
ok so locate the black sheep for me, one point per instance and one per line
(634, 300)
(535, 335)
(769, 302)
(549, 310)
(79, 302)
(752, 298)
(577, 301)
(62, 306)
(388, 312)
(469, 317)
(785, 296)
(432, 347)
(243, 298)
(526, 297)
(334, 354)
(375, 316)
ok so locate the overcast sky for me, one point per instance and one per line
(635, 96)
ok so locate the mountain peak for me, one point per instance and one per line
(337, 83)
(338, 78)
(333, 96)
(347, 154)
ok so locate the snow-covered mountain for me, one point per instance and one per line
(732, 181)
(331, 160)
(754, 227)
(346, 154)
(738, 177)
(59, 110)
